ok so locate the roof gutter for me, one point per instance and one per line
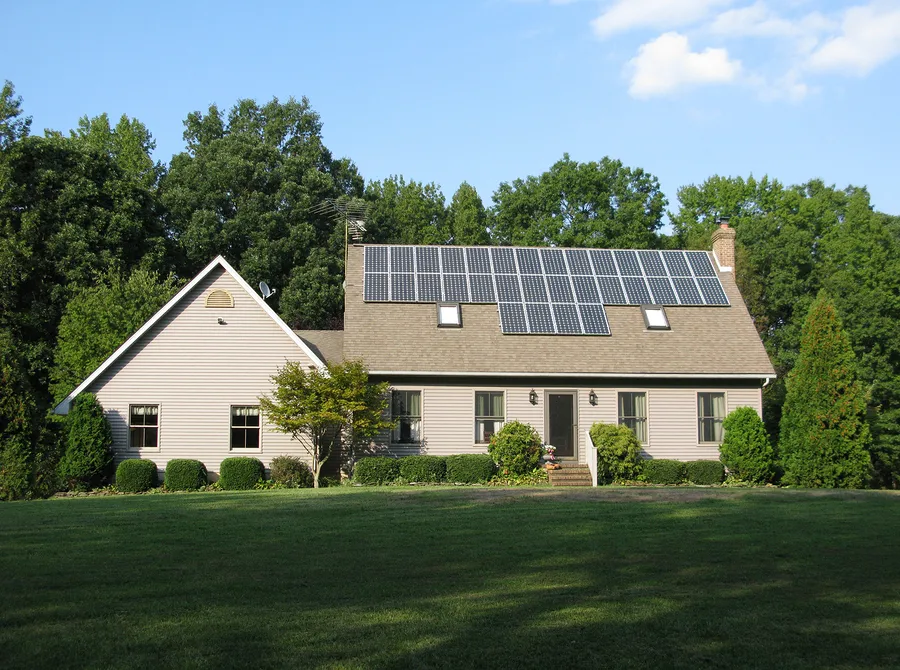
(602, 375)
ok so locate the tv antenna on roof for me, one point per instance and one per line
(266, 291)
(352, 212)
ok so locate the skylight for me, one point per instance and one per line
(655, 317)
(449, 315)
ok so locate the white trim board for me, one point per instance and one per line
(63, 407)
(582, 375)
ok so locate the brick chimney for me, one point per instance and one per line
(723, 247)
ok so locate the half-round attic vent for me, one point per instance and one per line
(219, 298)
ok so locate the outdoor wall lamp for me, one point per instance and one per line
(592, 397)
(533, 397)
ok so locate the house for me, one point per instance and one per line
(468, 338)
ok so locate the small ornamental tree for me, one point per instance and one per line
(516, 448)
(88, 455)
(618, 453)
(319, 408)
(746, 450)
(824, 437)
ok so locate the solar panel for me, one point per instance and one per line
(401, 259)
(376, 259)
(479, 260)
(403, 287)
(586, 290)
(512, 317)
(676, 263)
(579, 264)
(554, 263)
(700, 263)
(504, 260)
(712, 291)
(594, 319)
(688, 293)
(452, 260)
(429, 287)
(652, 263)
(529, 261)
(636, 290)
(603, 262)
(560, 289)
(508, 288)
(566, 319)
(611, 292)
(455, 288)
(539, 319)
(427, 259)
(534, 289)
(626, 259)
(663, 293)
(482, 288)
(376, 286)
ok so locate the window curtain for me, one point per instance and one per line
(145, 410)
(245, 411)
(489, 405)
(718, 412)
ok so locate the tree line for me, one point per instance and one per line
(95, 235)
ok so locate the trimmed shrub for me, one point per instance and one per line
(376, 470)
(240, 473)
(618, 452)
(705, 473)
(516, 448)
(663, 471)
(136, 475)
(469, 468)
(185, 474)
(291, 471)
(88, 454)
(746, 449)
(423, 468)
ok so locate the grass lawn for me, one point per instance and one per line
(444, 577)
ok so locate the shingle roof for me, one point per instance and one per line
(404, 337)
(327, 344)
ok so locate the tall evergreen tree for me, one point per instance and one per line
(824, 435)
(466, 218)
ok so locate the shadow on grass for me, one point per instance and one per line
(448, 578)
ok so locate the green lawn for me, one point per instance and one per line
(443, 577)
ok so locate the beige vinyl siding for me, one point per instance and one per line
(448, 416)
(195, 369)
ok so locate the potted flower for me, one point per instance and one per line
(550, 457)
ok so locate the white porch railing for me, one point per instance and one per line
(591, 457)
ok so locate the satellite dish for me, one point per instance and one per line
(266, 291)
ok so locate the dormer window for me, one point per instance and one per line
(655, 317)
(449, 315)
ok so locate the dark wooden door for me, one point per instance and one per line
(561, 423)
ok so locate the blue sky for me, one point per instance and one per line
(486, 91)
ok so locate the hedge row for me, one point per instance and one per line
(665, 471)
(136, 475)
(459, 469)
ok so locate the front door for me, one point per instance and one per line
(561, 423)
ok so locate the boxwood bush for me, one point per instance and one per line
(376, 470)
(663, 471)
(618, 452)
(423, 468)
(469, 468)
(704, 472)
(185, 474)
(136, 475)
(240, 473)
(516, 448)
(746, 449)
(292, 472)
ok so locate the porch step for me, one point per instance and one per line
(571, 475)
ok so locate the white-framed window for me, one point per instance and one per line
(143, 426)
(633, 412)
(710, 415)
(449, 315)
(406, 411)
(489, 415)
(245, 427)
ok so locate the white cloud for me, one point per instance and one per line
(625, 15)
(870, 36)
(667, 64)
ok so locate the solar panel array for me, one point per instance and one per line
(542, 291)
